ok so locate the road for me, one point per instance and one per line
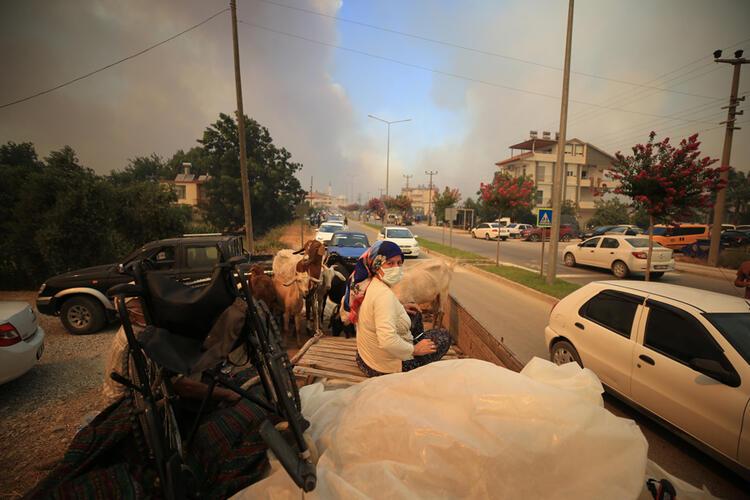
(518, 320)
(527, 254)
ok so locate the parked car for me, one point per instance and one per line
(567, 233)
(485, 230)
(347, 247)
(80, 297)
(402, 237)
(596, 231)
(742, 228)
(735, 239)
(21, 339)
(515, 229)
(621, 254)
(676, 353)
(626, 229)
(678, 236)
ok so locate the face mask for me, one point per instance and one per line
(392, 275)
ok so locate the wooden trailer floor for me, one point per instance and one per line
(331, 359)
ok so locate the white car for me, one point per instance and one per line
(515, 228)
(326, 230)
(402, 237)
(21, 339)
(490, 230)
(677, 353)
(621, 254)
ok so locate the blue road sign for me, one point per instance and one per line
(544, 217)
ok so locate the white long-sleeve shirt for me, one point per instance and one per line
(383, 330)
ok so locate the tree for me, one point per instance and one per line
(738, 197)
(609, 212)
(376, 206)
(668, 182)
(274, 190)
(399, 203)
(143, 168)
(448, 198)
(507, 195)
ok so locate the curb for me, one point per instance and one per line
(721, 273)
(499, 279)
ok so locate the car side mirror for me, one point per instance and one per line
(713, 369)
(416, 236)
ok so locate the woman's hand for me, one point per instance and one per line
(424, 347)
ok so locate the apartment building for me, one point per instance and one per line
(420, 198)
(585, 165)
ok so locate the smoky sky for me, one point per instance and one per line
(314, 95)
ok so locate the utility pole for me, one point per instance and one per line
(407, 177)
(560, 174)
(241, 129)
(726, 154)
(429, 203)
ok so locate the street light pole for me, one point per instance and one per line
(388, 155)
(560, 177)
(726, 154)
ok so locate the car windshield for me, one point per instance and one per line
(512, 226)
(735, 327)
(399, 233)
(329, 228)
(350, 241)
(641, 243)
(603, 229)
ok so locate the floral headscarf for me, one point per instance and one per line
(365, 269)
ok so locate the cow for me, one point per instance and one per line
(291, 287)
(312, 263)
(333, 297)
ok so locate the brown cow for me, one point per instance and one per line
(263, 289)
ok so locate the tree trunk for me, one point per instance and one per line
(650, 246)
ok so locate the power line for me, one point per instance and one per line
(478, 51)
(139, 53)
(453, 75)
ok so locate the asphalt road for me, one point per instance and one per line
(528, 254)
(518, 320)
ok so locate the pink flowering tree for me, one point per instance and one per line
(507, 193)
(376, 206)
(667, 182)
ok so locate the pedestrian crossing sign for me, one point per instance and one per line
(544, 217)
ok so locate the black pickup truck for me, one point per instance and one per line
(80, 297)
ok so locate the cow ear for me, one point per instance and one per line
(322, 250)
(306, 247)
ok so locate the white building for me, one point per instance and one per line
(585, 165)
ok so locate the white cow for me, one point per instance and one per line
(426, 282)
(291, 287)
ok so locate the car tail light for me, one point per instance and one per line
(8, 335)
(494, 230)
(640, 255)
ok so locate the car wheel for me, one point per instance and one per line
(563, 352)
(504, 238)
(565, 237)
(81, 314)
(620, 269)
(487, 236)
(534, 237)
(570, 260)
(657, 275)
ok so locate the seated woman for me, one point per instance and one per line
(388, 339)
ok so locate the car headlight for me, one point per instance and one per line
(41, 288)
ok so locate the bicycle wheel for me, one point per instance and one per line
(276, 351)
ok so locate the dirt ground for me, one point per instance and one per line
(41, 411)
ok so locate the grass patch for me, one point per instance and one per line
(271, 241)
(560, 288)
(454, 253)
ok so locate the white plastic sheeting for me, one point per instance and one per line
(468, 429)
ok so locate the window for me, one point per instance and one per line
(540, 170)
(568, 149)
(399, 233)
(734, 328)
(584, 173)
(571, 173)
(579, 149)
(484, 226)
(610, 243)
(202, 257)
(686, 231)
(612, 310)
(163, 258)
(539, 197)
(181, 192)
(678, 335)
(590, 243)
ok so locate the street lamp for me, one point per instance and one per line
(388, 152)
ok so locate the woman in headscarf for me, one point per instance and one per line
(385, 343)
